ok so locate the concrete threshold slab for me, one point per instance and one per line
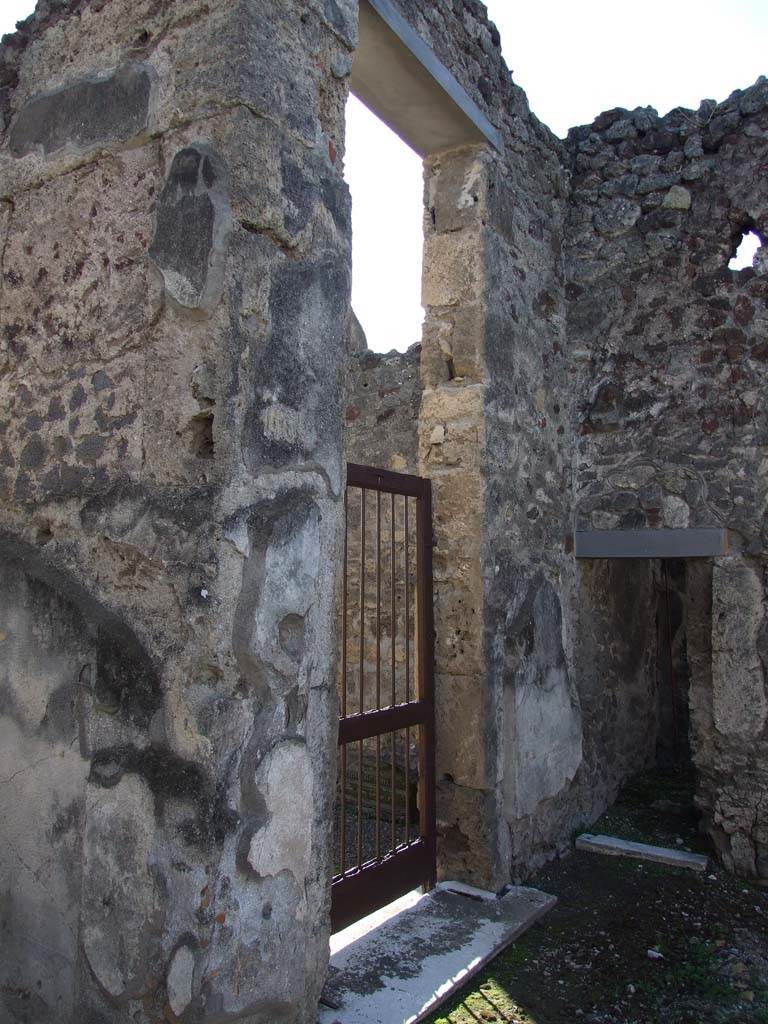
(402, 970)
(642, 851)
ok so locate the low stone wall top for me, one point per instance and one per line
(382, 411)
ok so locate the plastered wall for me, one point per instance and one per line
(175, 281)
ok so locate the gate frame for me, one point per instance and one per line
(360, 891)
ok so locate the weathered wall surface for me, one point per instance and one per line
(636, 333)
(46, 659)
(382, 409)
(533, 739)
(175, 274)
(669, 360)
(174, 281)
(494, 439)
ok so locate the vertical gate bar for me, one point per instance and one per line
(407, 674)
(360, 805)
(407, 605)
(343, 752)
(362, 599)
(426, 680)
(344, 611)
(361, 681)
(378, 600)
(378, 672)
(393, 627)
(343, 837)
(394, 678)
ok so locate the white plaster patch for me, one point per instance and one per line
(237, 535)
(119, 895)
(281, 423)
(179, 981)
(468, 194)
(545, 751)
(291, 572)
(283, 844)
(182, 290)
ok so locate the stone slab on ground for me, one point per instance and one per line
(403, 967)
(624, 848)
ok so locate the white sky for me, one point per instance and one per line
(574, 60)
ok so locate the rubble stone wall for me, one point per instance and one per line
(539, 716)
(669, 354)
(382, 410)
(175, 277)
(532, 743)
(174, 285)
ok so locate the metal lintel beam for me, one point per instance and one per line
(698, 542)
(398, 77)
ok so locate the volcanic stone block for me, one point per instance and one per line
(193, 222)
(87, 112)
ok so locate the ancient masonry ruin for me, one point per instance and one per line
(175, 380)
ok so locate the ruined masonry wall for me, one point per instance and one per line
(382, 409)
(495, 439)
(175, 277)
(669, 369)
(174, 281)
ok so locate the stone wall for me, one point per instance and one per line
(669, 364)
(382, 410)
(494, 432)
(546, 702)
(175, 274)
(174, 284)
(541, 712)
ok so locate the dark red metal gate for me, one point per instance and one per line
(385, 821)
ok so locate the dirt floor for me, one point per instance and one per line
(632, 942)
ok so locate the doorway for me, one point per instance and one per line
(384, 841)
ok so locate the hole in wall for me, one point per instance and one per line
(386, 182)
(746, 249)
(201, 435)
(43, 533)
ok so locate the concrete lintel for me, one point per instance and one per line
(692, 543)
(642, 851)
(398, 77)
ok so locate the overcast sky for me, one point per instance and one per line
(574, 60)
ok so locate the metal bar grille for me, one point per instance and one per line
(385, 841)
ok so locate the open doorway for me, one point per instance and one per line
(425, 115)
(653, 678)
(385, 179)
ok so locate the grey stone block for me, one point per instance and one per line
(642, 851)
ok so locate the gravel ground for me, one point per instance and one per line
(632, 942)
(369, 816)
